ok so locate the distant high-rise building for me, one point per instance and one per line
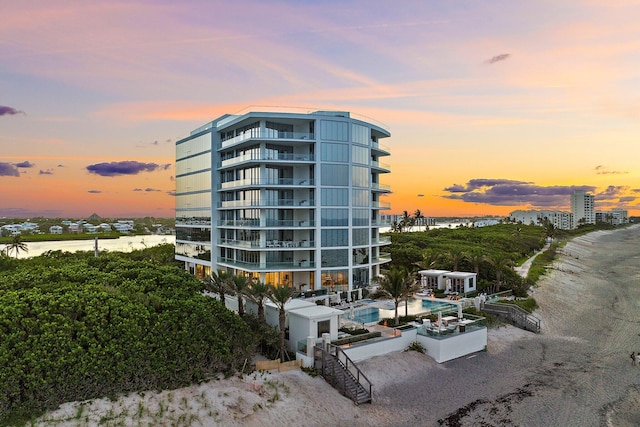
(288, 198)
(582, 208)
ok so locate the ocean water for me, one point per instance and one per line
(122, 244)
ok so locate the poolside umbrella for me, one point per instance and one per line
(459, 311)
(352, 312)
(439, 319)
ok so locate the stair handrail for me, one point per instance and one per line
(517, 314)
(350, 366)
(337, 377)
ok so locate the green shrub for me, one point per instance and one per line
(80, 327)
(354, 331)
(416, 346)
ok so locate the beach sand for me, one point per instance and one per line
(576, 372)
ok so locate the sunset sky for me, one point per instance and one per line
(492, 105)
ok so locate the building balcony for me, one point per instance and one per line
(261, 183)
(382, 240)
(382, 149)
(381, 205)
(232, 204)
(256, 223)
(384, 188)
(263, 157)
(380, 166)
(302, 264)
(269, 134)
(266, 245)
(381, 259)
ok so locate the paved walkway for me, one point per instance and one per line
(523, 270)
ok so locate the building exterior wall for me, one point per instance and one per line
(559, 219)
(288, 198)
(582, 208)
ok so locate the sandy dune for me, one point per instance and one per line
(577, 372)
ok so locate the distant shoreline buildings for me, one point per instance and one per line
(582, 212)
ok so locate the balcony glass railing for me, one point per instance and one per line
(265, 182)
(265, 134)
(383, 240)
(380, 165)
(255, 223)
(383, 257)
(270, 244)
(378, 186)
(382, 205)
(380, 147)
(272, 265)
(266, 203)
(261, 157)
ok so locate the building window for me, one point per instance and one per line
(360, 236)
(337, 175)
(334, 131)
(334, 152)
(360, 155)
(360, 134)
(360, 176)
(335, 257)
(335, 197)
(360, 198)
(334, 217)
(335, 237)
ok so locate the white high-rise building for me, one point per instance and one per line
(582, 208)
(288, 198)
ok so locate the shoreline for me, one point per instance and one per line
(121, 244)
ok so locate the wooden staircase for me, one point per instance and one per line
(519, 317)
(340, 371)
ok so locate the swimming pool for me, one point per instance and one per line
(415, 306)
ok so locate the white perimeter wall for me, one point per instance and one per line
(455, 346)
(378, 348)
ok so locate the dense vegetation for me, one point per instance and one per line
(491, 252)
(75, 327)
(480, 250)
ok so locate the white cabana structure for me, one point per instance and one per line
(461, 282)
(303, 319)
(432, 279)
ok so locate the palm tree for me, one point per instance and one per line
(411, 285)
(429, 259)
(407, 221)
(280, 295)
(17, 246)
(217, 282)
(517, 232)
(239, 285)
(257, 292)
(500, 264)
(455, 256)
(418, 218)
(393, 285)
(475, 259)
(550, 230)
